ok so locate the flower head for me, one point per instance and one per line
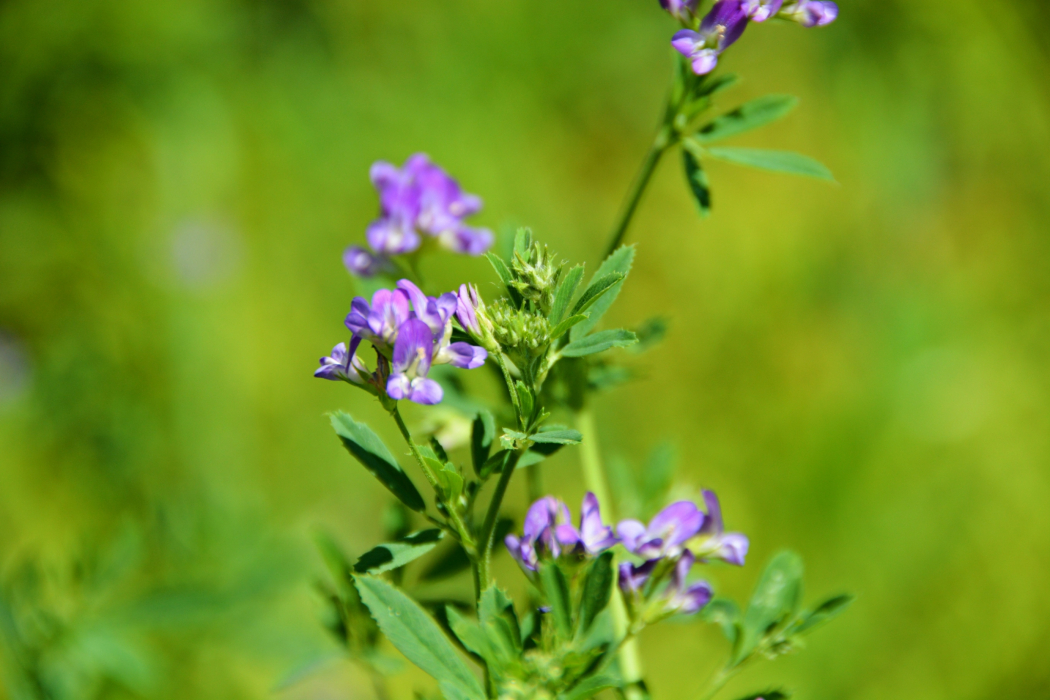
(683, 597)
(811, 13)
(714, 541)
(379, 321)
(343, 364)
(437, 313)
(360, 262)
(722, 26)
(548, 530)
(666, 533)
(413, 355)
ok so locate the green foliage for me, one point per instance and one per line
(776, 161)
(598, 287)
(595, 592)
(369, 450)
(566, 291)
(483, 432)
(696, 178)
(393, 555)
(619, 263)
(748, 116)
(776, 596)
(558, 437)
(600, 342)
(556, 591)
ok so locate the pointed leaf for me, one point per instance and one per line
(597, 589)
(595, 290)
(470, 634)
(748, 116)
(418, 637)
(823, 613)
(619, 262)
(558, 437)
(591, 686)
(502, 271)
(718, 84)
(556, 590)
(697, 180)
(566, 291)
(393, 555)
(482, 434)
(523, 242)
(598, 342)
(370, 451)
(776, 161)
(566, 325)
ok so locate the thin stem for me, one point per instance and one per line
(718, 682)
(641, 181)
(488, 529)
(502, 361)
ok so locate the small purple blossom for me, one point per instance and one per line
(683, 597)
(811, 13)
(680, 9)
(730, 547)
(360, 262)
(379, 321)
(722, 26)
(634, 576)
(761, 10)
(666, 533)
(342, 364)
(413, 354)
(548, 530)
(437, 313)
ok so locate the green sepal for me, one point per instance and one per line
(369, 450)
(392, 555)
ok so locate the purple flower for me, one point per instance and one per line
(343, 364)
(761, 10)
(360, 262)
(634, 576)
(722, 26)
(380, 321)
(548, 529)
(464, 239)
(684, 598)
(594, 536)
(681, 9)
(666, 533)
(437, 313)
(413, 352)
(811, 13)
(730, 547)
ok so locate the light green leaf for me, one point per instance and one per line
(558, 437)
(597, 589)
(418, 637)
(618, 263)
(697, 180)
(393, 555)
(370, 451)
(823, 613)
(748, 116)
(598, 287)
(469, 633)
(502, 271)
(725, 613)
(776, 161)
(566, 291)
(598, 342)
(563, 327)
(776, 597)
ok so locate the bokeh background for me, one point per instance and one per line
(861, 370)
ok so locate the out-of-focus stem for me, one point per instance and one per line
(641, 181)
(488, 529)
(594, 478)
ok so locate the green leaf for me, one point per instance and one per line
(768, 695)
(392, 555)
(558, 437)
(502, 271)
(823, 613)
(598, 287)
(370, 451)
(777, 161)
(566, 325)
(717, 84)
(438, 449)
(599, 342)
(566, 291)
(748, 116)
(498, 619)
(618, 263)
(470, 634)
(725, 613)
(525, 399)
(597, 588)
(418, 637)
(482, 434)
(591, 686)
(494, 464)
(776, 597)
(697, 179)
(523, 243)
(556, 590)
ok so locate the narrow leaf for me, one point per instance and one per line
(370, 451)
(556, 590)
(566, 291)
(469, 633)
(595, 290)
(697, 179)
(598, 342)
(502, 271)
(776, 161)
(523, 242)
(393, 555)
(619, 262)
(563, 327)
(597, 588)
(823, 613)
(558, 437)
(417, 636)
(776, 597)
(524, 398)
(483, 432)
(748, 116)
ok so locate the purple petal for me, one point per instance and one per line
(413, 348)
(816, 14)
(426, 391)
(725, 23)
(566, 535)
(383, 174)
(464, 355)
(398, 387)
(465, 310)
(357, 319)
(596, 536)
(713, 523)
(633, 577)
(392, 236)
(332, 367)
(677, 523)
(686, 41)
(467, 240)
(704, 61)
(446, 305)
(631, 533)
(761, 10)
(695, 597)
(539, 517)
(733, 548)
(419, 299)
(360, 262)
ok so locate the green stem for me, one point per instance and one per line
(594, 478)
(718, 682)
(641, 181)
(511, 389)
(488, 529)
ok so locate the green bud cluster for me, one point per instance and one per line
(536, 275)
(518, 329)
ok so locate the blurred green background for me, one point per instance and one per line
(860, 370)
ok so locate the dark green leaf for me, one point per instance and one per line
(748, 116)
(558, 437)
(494, 464)
(776, 597)
(525, 399)
(566, 291)
(370, 451)
(591, 686)
(651, 332)
(481, 437)
(392, 555)
(439, 450)
(598, 287)
(777, 161)
(597, 588)
(599, 342)
(566, 325)
(697, 179)
(823, 613)
(618, 263)
(556, 590)
(418, 637)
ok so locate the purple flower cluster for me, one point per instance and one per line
(671, 543)
(728, 19)
(411, 332)
(419, 199)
